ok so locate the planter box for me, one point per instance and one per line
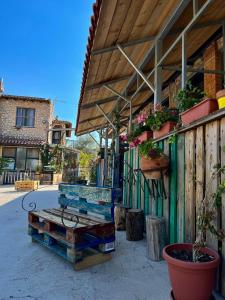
(200, 110)
(146, 135)
(27, 185)
(165, 129)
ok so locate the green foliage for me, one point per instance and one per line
(149, 149)
(4, 162)
(86, 144)
(51, 158)
(156, 120)
(86, 162)
(188, 97)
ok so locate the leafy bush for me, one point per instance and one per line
(149, 149)
(188, 97)
(4, 162)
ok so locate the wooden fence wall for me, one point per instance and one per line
(193, 156)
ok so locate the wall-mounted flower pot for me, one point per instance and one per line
(153, 168)
(191, 280)
(146, 135)
(221, 98)
(198, 111)
(165, 129)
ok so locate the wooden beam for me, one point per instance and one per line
(111, 81)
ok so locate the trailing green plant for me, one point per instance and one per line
(188, 97)
(149, 149)
(208, 210)
(4, 163)
(51, 158)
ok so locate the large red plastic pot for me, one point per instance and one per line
(189, 280)
(200, 110)
(165, 129)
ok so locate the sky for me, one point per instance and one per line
(42, 49)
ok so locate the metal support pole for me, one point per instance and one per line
(130, 122)
(158, 73)
(106, 117)
(106, 158)
(184, 62)
(136, 69)
(195, 7)
(100, 137)
(224, 52)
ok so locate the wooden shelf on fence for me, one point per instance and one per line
(27, 185)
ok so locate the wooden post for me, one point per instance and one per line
(156, 237)
(134, 224)
(120, 216)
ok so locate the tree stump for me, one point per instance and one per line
(134, 224)
(156, 237)
(120, 216)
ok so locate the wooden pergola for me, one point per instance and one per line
(135, 47)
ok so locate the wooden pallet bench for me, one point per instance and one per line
(82, 229)
(27, 185)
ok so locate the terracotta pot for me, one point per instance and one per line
(221, 98)
(165, 129)
(198, 111)
(191, 280)
(153, 168)
(146, 135)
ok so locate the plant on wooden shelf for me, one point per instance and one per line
(193, 267)
(162, 121)
(193, 105)
(140, 131)
(153, 161)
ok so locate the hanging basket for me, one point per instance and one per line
(153, 168)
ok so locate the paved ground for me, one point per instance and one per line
(29, 271)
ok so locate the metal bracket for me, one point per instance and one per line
(136, 68)
(105, 115)
(93, 139)
(116, 93)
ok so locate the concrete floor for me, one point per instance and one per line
(29, 271)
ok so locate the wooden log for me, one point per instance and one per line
(134, 224)
(156, 237)
(120, 216)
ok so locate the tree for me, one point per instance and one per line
(86, 144)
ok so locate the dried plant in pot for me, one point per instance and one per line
(193, 267)
(153, 161)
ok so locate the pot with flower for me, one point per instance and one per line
(193, 105)
(163, 121)
(193, 267)
(153, 161)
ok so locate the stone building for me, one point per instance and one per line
(24, 125)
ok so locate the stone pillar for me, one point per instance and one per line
(212, 82)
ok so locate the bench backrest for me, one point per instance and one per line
(98, 200)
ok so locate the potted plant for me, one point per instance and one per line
(193, 267)
(221, 98)
(162, 121)
(4, 163)
(192, 105)
(153, 161)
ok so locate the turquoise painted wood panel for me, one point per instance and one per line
(88, 192)
(173, 192)
(84, 206)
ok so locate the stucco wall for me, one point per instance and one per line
(43, 117)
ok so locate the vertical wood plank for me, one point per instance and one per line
(200, 169)
(181, 188)
(190, 186)
(166, 201)
(212, 160)
(222, 139)
(173, 192)
(138, 189)
(159, 198)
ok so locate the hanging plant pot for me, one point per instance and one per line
(191, 280)
(154, 167)
(221, 98)
(146, 135)
(198, 111)
(165, 129)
